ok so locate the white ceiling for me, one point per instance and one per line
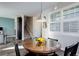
(12, 9)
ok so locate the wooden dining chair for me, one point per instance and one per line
(71, 50)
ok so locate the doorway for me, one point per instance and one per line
(19, 28)
(28, 27)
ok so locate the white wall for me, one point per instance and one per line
(36, 27)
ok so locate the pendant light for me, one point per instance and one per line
(41, 18)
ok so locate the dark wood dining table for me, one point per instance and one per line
(39, 50)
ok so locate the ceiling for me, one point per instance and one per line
(12, 9)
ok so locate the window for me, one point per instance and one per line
(55, 17)
(55, 26)
(71, 12)
(55, 22)
(70, 21)
(68, 13)
(72, 26)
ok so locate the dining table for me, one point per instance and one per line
(30, 46)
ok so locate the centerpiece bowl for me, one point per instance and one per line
(40, 41)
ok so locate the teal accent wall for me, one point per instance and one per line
(8, 25)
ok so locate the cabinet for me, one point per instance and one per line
(1, 38)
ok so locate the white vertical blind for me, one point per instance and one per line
(70, 20)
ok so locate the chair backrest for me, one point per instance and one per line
(71, 50)
(17, 50)
(53, 39)
(53, 42)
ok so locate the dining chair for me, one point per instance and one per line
(53, 42)
(17, 50)
(71, 50)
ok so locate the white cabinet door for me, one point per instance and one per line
(1, 38)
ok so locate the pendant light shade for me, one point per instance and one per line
(41, 18)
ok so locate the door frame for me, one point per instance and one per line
(16, 26)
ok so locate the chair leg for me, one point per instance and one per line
(55, 54)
